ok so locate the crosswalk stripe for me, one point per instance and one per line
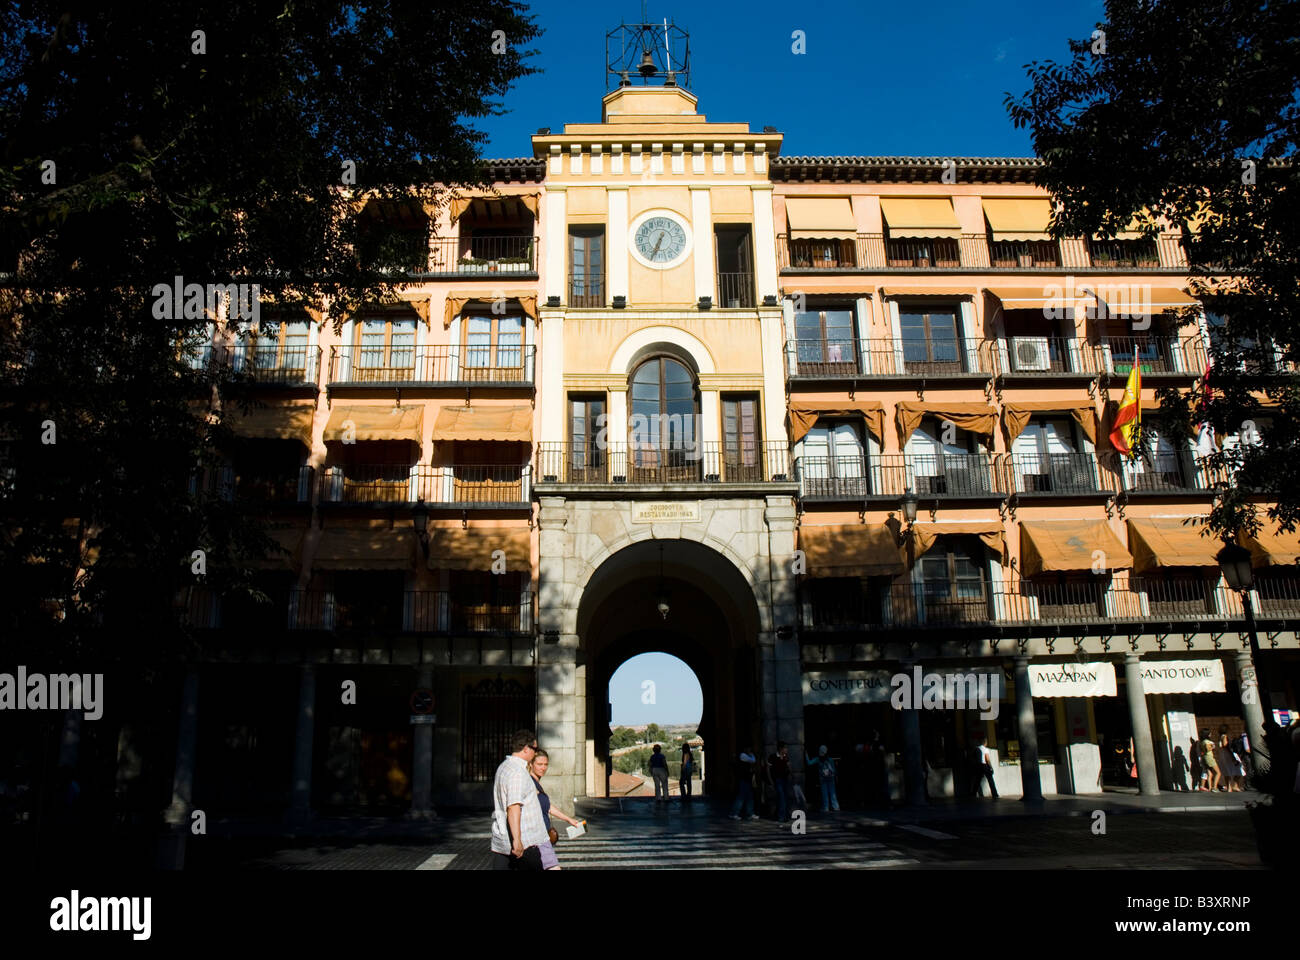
(438, 861)
(926, 832)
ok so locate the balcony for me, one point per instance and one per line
(410, 611)
(463, 485)
(735, 290)
(586, 291)
(621, 463)
(1124, 254)
(483, 257)
(274, 364)
(860, 477)
(432, 366)
(1156, 355)
(1164, 472)
(1036, 356)
(1053, 473)
(946, 604)
(836, 359)
(1025, 254)
(223, 483)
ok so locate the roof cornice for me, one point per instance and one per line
(906, 169)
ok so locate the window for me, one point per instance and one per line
(1161, 465)
(833, 464)
(935, 467)
(1124, 253)
(824, 341)
(1046, 458)
(735, 260)
(488, 472)
(1035, 346)
(393, 235)
(486, 602)
(491, 711)
(1024, 253)
(367, 601)
(842, 602)
(587, 439)
(1178, 591)
(930, 342)
(586, 266)
(1152, 347)
(1254, 356)
(281, 348)
(385, 348)
(1075, 597)
(741, 452)
(369, 471)
(493, 343)
(664, 407)
(951, 581)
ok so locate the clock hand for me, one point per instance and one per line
(655, 252)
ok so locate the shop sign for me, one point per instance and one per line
(1072, 679)
(846, 686)
(1183, 676)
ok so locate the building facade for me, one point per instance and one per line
(661, 388)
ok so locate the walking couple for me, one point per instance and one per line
(522, 836)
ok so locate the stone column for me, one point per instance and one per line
(1031, 784)
(557, 656)
(785, 721)
(422, 757)
(913, 768)
(300, 793)
(1251, 710)
(1148, 785)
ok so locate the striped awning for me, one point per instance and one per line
(375, 423)
(820, 218)
(920, 217)
(1020, 218)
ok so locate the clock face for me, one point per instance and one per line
(660, 240)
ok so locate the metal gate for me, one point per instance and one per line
(491, 711)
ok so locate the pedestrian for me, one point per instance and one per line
(1179, 765)
(745, 763)
(688, 766)
(518, 830)
(877, 772)
(778, 765)
(984, 767)
(826, 778)
(538, 768)
(1208, 762)
(1233, 770)
(1198, 769)
(659, 771)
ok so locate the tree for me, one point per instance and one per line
(622, 737)
(653, 732)
(217, 143)
(1188, 112)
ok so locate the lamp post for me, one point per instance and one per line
(1234, 561)
(908, 504)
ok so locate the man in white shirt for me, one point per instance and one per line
(984, 768)
(517, 825)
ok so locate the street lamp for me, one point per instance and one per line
(1234, 561)
(420, 521)
(909, 502)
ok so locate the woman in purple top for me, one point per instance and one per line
(538, 769)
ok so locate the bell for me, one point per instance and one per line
(647, 66)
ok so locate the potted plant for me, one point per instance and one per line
(1276, 817)
(514, 264)
(470, 264)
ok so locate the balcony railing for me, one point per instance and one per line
(1155, 355)
(1024, 254)
(944, 603)
(502, 364)
(1129, 254)
(222, 482)
(402, 483)
(856, 477)
(586, 291)
(1163, 472)
(883, 357)
(735, 290)
(712, 462)
(1041, 356)
(410, 611)
(289, 365)
(1055, 473)
(487, 257)
(923, 254)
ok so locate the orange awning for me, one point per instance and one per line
(1043, 298)
(1019, 218)
(920, 217)
(459, 205)
(1271, 548)
(376, 423)
(1168, 542)
(976, 417)
(820, 218)
(1127, 299)
(891, 292)
(291, 539)
(1070, 545)
(344, 548)
(1016, 416)
(804, 414)
(990, 533)
(457, 301)
(453, 548)
(285, 422)
(511, 424)
(851, 550)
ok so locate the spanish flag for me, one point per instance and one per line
(1128, 418)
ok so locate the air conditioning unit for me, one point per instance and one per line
(1030, 353)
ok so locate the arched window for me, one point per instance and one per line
(663, 420)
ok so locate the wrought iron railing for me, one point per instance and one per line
(713, 462)
(735, 290)
(1155, 354)
(487, 257)
(224, 483)
(286, 364)
(404, 483)
(500, 363)
(873, 251)
(891, 475)
(833, 357)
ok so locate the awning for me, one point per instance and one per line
(376, 423)
(459, 205)
(1168, 542)
(291, 539)
(920, 217)
(1043, 298)
(962, 292)
(1016, 416)
(290, 422)
(976, 417)
(1022, 218)
(820, 218)
(804, 414)
(990, 533)
(1064, 545)
(485, 423)
(1127, 299)
(1272, 548)
(851, 550)
(349, 548)
(457, 301)
(452, 548)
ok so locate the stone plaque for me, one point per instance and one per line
(666, 511)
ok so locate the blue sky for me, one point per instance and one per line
(677, 695)
(916, 79)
